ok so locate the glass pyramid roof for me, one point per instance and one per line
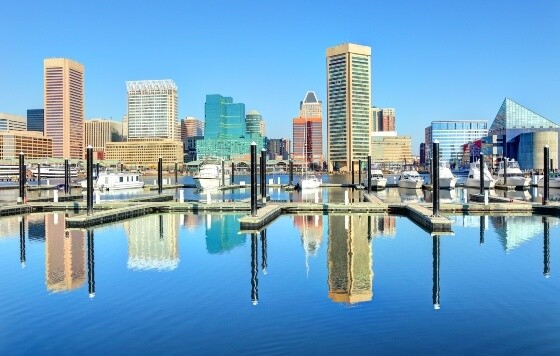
(514, 116)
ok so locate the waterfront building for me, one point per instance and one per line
(348, 105)
(11, 122)
(375, 118)
(125, 128)
(253, 122)
(278, 148)
(423, 153)
(453, 134)
(191, 127)
(100, 131)
(36, 120)
(190, 144)
(308, 138)
(153, 243)
(385, 118)
(64, 106)
(65, 258)
(225, 132)
(310, 106)
(387, 148)
(262, 128)
(523, 134)
(350, 259)
(32, 143)
(145, 154)
(152, 110)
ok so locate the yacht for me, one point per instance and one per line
(410, 179)
(115, 181)
(9, 170)
(54, 172)
(473, 179)
(310, 181)
(378, 181)
(553, 181)
(509, 174)
(210, 176)
(446, 178)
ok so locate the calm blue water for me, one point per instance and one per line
(316, 284)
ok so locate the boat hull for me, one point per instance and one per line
(447, 183)
(310, 183)
(207, 183)
(475, 183)
(376, 183)
(410, 184)
(552, 183)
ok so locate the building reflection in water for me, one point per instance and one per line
(350, 274)
(153, 242)
(311, 232)
(513, 231)
(191, 221)
(65, 255)
(222, 233)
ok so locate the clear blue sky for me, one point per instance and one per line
(432, 60)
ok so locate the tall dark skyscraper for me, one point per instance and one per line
(36, 120)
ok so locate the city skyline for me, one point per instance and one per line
(459, 65)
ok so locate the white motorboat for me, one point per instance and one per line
(115, 181)
(209, 176)
(9, 170)
(473, 179)
(378, 181)
(54, 172)
(510, 175)
(310, 181)
(446, 178)
(553, 181)
(410, 179)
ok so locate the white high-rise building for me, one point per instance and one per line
(348, 105)
(152, 112)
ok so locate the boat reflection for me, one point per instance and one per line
(410, 195)
(350, 273)
(153, 243)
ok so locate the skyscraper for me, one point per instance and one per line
(191, 127)
(253, 122)
(348, 105)
(308, 130)
(64, 106)
(152, 110)
(310, 106)
(387, 119)
(10, 122)
(99, 131)
(36, 120)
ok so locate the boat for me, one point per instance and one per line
(446, 178)
(473, 179)
(209, 176)
(553, 181)
(510, 175)
(9, 170)
(54, 172)
(410, 179)
(115, 181)
(377, 181)
(310, 181)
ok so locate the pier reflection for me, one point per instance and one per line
(350, 273)
(65, 255)
(153, 242)
(222, 233)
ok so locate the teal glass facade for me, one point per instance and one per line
(225, 131)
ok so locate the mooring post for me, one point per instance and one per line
(176, 182)
(435, 177)
(22, 177)
(160, 175)
(39, 174)
(90, 264)
(435, 279)
(263, 175)
(481, 164)
(97, 170)
(291, 172)
(359, 172)
(232, 172)
(89, 179)
(546, 175)
(352, 172)
(551, 165)
(369, 174)
(253, 179)
(505, 171)
(254, 268)
(223, 182)
(122, 167)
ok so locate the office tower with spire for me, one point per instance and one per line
(308, 130)
(64, 106)
(348, 105)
